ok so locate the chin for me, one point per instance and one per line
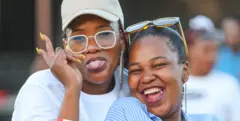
(161, 110)
(207, 71)
(98, 78)
(97, 82)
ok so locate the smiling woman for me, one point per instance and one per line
(158, 68)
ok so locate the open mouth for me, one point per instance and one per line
(96, 64)
(153, 95)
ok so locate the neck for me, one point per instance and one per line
(177, 116)
(97, 89)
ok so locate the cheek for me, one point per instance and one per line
(200, 52)
(113, 54)
(174, 90)
(172, 94)
(173, 87)
(133, 82)
(172, 80)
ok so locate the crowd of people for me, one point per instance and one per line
(171, 74)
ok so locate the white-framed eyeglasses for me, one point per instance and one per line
(104, 39)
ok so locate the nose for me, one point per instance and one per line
(92, 46)
(148, 77)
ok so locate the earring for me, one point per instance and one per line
(129, 39)
(121, 68)
(184, 96)
(121, 71)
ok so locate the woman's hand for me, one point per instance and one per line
(62, 64)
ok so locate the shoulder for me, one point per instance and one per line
(223, 74)
(128, 109)
(44, 85)
(128, 102)
(39, 97)
(202, 117)
(45, 80)
(224, 78)
(43, 77)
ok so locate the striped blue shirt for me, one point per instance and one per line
(131, 109)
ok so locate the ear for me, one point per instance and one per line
(185, 74)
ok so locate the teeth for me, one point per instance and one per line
(152, 90)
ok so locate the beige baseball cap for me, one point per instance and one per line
(106, 9)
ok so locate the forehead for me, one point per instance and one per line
(88, 19)
(206, 42)
(230, 24)
(149, 47)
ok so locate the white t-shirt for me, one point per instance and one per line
(217, 93)
(41, 96)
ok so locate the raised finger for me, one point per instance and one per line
(56, 58)
(79, 56)
(43, 54)
(72, 58)
(49, 46)
(62, 54)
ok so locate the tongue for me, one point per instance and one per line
(95, 64)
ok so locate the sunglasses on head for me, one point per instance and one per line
(172, 22)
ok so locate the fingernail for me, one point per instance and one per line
(78, 61)
(38, 51)
(83, 56)
(41, 36)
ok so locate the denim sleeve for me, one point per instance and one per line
(116, 112)
(129, 109)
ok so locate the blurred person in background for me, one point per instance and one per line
(209, 91)
(229, 54)
(76, 90)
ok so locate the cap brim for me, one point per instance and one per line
(101, 13)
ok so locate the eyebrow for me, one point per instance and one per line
(132, 64)
(77, 30)
(103, 26)
(153, 59)
(98, 27)
(158, 57)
